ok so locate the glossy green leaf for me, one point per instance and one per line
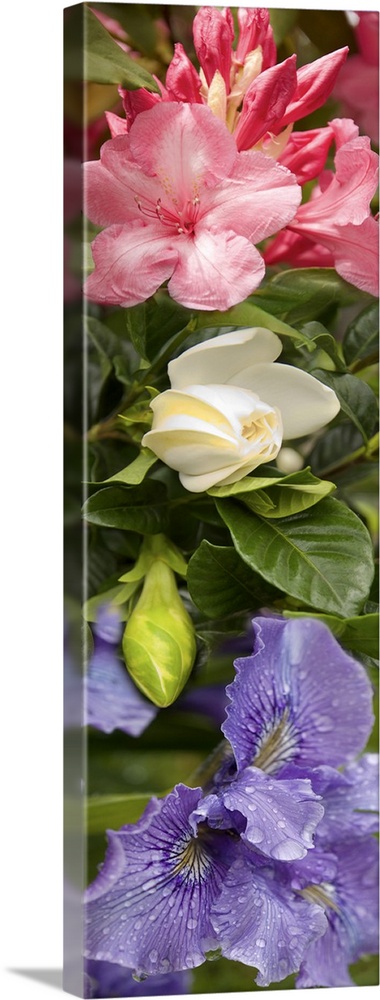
(250, 313)
(361, 341)
(143, 509)
(356, 398)
(110, 812)
(322, 339)
(117, 596)
(105, 62)
(220, 583)
(134, 473)
(136, 21)
(299, 296)
(151, 324)
(284, 501)
(278, 496)
(323, 556)
(106, 342)
(335, 445)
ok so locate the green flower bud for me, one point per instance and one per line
(159, 641)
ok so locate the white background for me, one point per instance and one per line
(31, 505)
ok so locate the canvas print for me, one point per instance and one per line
(221, 514)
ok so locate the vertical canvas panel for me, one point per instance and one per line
(221, 519)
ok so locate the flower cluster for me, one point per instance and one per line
(197, 175)
(271, 861)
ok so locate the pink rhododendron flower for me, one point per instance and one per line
(244, 87)
(179, 202)
(338, 216)
(357, 87)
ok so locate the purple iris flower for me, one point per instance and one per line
(171, 890)
(298, 698)
(103, 979)
(286, 717)
(273, 862)
(111, 699)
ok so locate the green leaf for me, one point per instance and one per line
(334, 446)
(220, 583)
(298, 296)
(116, 596)
(143, 510)
(105, 62)
(249, 313)
(283, 501)
(278, 496)
(362, 336)
(152, 324)
(322, 339)
(322, 557)
(134, 473)
(356, 398)
(110, 812)
(359, 634)
(136, 21)
(107, 344)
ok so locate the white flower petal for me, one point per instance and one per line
(219, 358)
(199, 484)
(173, 403)
(305, 404)
(192, 446)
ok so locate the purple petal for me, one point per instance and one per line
(111, 699)
(262, 923)
(108, 627)
(352, 929)
(299, 698)
(350, 798)
(148, 908)
(280, 816)
(105, 979)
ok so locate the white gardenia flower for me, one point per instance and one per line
(230, 408)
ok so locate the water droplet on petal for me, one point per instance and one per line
(288, 850)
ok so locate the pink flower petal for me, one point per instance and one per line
(184, 145)
(259, 197)
(255, 29)
(116, 125)
(315, 82)
(367, 35)
(305, 152)
(114, 185)
(265, 102)
(182, 79)
(213, 36)
(356, 255)
(357, 90)
(215, 270)
(298, 251)
(131, 262)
